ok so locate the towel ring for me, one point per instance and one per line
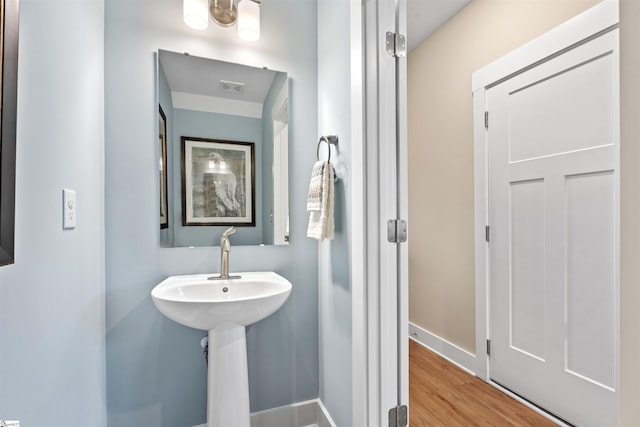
(329, 140)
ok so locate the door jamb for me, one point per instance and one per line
(376, 386)
(481, 218)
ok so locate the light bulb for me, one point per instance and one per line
(249, 20)
(196, 13)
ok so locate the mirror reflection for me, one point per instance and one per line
(211, 110)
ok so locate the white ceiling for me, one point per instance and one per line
(426, 16)
(202, 76)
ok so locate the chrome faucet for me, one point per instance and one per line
(225, 248)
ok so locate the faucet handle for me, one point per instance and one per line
(229, 231)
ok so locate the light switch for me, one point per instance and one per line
(69, 209)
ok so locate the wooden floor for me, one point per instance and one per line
(441, 394)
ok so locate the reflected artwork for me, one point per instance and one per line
(218, 182)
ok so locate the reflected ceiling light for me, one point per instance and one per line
(216, 164)
(196, 13)
(249, 20)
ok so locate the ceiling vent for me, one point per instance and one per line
(232, 87)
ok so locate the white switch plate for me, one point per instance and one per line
(69, 209)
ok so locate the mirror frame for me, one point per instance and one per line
(8, 108)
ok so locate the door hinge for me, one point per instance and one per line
(486, 120)
(487, 233)
(396, 44)
(488, 347)
(396, 231)
(398, 416)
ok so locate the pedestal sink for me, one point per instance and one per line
(224, 308)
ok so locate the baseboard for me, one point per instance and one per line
(454, 354)
(311, 413)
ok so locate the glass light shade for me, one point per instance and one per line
(196, 13)
(249, 20)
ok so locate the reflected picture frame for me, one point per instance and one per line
(218, 182)
(162, 165)
(8, 121)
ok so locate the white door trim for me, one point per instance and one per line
(380, 367)
(600, 18)
(481, 209)
(576, 30)
(403, 211)
(381, 258)
(359, 312)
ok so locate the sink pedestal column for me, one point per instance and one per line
(228, 379)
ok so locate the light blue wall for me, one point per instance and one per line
(155, 371)
(334, 97)
(223, 127)
(52, 299)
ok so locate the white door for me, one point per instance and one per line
(554, 214)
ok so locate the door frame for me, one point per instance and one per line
(380, 311)
(601, 18)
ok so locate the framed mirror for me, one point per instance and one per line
(222, 152)
(8, 113)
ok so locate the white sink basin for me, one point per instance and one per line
(197, 302)
(224, 308)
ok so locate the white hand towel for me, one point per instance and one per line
(314, 200)
(320, 202)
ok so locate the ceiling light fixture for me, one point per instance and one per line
(249, 20)
(196, 14)
(224, 13)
